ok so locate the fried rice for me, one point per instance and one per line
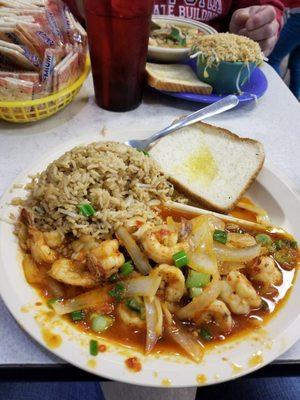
(118, 181)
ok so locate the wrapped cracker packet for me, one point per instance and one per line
(41, 43)
(22, 75)
(19, 55)
(66, 72)
(12, 89)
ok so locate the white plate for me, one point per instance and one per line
(170, 54)
(226, 362)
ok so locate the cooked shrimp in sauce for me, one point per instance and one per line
(189, 280)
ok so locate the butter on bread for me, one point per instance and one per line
(210, 164)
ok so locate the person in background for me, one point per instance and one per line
(289, 43)
(260, 20)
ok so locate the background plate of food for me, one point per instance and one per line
(172, 38)
(219, 64)
(96, 272)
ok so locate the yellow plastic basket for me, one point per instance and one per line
(35, 110)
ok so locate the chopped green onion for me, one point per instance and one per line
(285, 243)
(220, 236)
(271, 247)
(94, 347)
(293, 244)
(50, 302)
(197, 279)
(77, 315)
(263, 239)
(101, 323)
(135, 304)
(114, 278)
(126, 268)
(206, 334)
(144, 152)
(195, 291)
(87, 210)
(284, 256)
(279, 244)
(176, 35)
(180, 259)
(118, 291)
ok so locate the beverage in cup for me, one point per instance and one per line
(118, 32)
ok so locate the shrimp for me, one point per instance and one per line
(22, 232)
(161, 243)
(172, 284)
(105, 259)
(54, 238)
(26, 217)
(71, 273)
(130, 317)
(137, 226)
(240, 239)
(265, 272)
(82, 246)
(85, 242)
(238, 293)
(218, 313)
(40, 251)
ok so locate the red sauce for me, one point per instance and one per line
(134, 364)
(102, 348)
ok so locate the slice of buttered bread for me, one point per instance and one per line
(175, 78)
(210, 164)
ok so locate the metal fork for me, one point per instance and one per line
(220, 106)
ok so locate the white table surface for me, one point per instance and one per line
(275, 121)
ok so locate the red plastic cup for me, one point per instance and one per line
(118, 32)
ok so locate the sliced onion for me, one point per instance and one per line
(184, 228)
(159, 321)
(201, 256)
(142, 286)
(38, 276)
(172, 205)
(139, 259)
(93, 298)
(185, 340)
(199, 303)
(210, 220)
(154, 322)
(261, 214)
(167, 313)
(202, 262)
(214, 222)
(33, 274)
(55, 288)
(225, 253)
